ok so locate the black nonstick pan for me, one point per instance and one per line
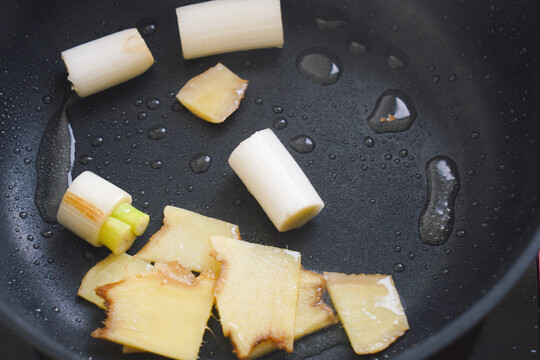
(467, 72)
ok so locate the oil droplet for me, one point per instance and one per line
(359, 47)
(156, 164)
(328, 17)
(152, 103)
(399, 267)
(277, 109)
(146, 26)
(393, 112)
(280, 123)
(437, 217)
(302, 144)
(369, 142)
(319, 65)
(157, 132)
(200, 163)
(55, 159)
(96, 141)
(85, 159)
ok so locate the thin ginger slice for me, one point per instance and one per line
(256, 293)
(369, 308)
(111, 269)
(164, 311)
(185, 237)
(213, 95)
(312, 314)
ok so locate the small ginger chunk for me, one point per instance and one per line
(185, 237)
(312, 314)
(111, 269)
(213, 95)
(369, 308)
(256, 293)
(164, 311)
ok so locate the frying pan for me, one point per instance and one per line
(470, 70)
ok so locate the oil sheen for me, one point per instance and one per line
(437, 218)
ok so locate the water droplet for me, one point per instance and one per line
(146, 26)
(445, 271)
(138, 102)
(50, 260)
(475, 135)
(393, 112)
(436, 78)
(319, 65)
(258, 101)
(157, 132)
(403, 152)
(397, 248)
(85, 159)
(35, 246)
(387, 157)
(156, 164)
(437, 218)
(56, 310)
(396, 62)
(359, 47)
(277, 109)
(302, 144)
(280, 123)
(152, 103)
(176, 106)
(88, 256)
(399, 267)
(395, 27)
(47, 234)
(23, 215)
(47, 99)
(200, 163)
(461, 233)
(369, 142)
(30, 238)
(452, 77)
(96, 141)
(238, 202)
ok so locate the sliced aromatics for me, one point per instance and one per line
(256, 293)
(100, 213)
(220, 26)
(111, 269)
(274, 178)
(312, 313)
(108, 61)
(369, 308)
(185, 237)
(158, 312)
(213, 95)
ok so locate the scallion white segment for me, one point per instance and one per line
(87, 203)
(108, 61)
(221, 26)
(274, 178)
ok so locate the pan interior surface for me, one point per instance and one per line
(467, 73)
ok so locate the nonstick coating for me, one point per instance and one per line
(471, 71)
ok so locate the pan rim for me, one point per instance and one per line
(48, 346)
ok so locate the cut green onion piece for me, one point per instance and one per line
(116, 235)
(221, 26)
(130, 215)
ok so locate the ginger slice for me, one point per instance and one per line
(256, 293)
(213, 95)
(164, 311)
(185, 237)
(111, 269)
(312, 314)
(369, 308)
